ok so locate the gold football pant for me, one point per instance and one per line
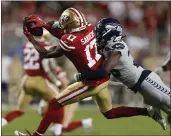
(32, 86)
(78, 91)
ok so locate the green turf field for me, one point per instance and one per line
(125, 126)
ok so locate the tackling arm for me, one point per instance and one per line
(112, 61)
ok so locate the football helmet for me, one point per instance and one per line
(72, 20)
(106, 29)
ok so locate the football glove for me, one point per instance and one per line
(38, 22)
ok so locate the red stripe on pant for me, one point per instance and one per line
(75, 95)
(71, 92)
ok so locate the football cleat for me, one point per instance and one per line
(18, 133)
(87, 124)
(155, 114)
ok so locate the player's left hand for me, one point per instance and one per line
(77, 77)
(27, 33)
(38, 22)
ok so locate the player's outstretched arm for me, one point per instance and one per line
(53, 52)
(51, 26)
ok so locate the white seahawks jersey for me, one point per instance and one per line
(126, 71)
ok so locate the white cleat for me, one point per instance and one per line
(155, 114)
(18, 133)
(87, 124)
(4, 122)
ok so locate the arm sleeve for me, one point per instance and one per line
(54, 29)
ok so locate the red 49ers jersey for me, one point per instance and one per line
(33, 60)
(80, 48)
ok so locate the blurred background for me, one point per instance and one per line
(146, 26)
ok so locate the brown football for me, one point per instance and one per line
(34, 31)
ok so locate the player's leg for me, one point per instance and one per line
(71, 94)
(48, 91)
(156, 93)
(69, 125)
(103, 100)
(22, 105)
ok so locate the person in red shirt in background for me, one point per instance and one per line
(38, 80)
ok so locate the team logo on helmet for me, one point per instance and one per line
(113, 26)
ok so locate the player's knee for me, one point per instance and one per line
(54, 104)
(108, 114)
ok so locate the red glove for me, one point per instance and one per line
(27, 34)
(37, 20)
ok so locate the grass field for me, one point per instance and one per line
(123, 126)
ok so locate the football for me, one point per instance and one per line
(34, 31)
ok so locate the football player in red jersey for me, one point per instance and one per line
(78, 44)
(57, 76)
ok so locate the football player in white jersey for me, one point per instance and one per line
(121, 65)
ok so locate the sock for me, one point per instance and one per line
(12, 115)
(51, 115)
(72, 126)
(57, 129)
(125, 112)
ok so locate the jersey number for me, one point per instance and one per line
(92, 61)
(31, 56)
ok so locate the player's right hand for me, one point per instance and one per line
(38, 22)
